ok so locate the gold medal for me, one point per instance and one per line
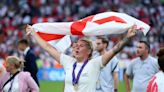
(76, 87)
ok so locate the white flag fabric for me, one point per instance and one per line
(156, 84)
(99, 24)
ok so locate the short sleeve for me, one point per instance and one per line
(129, 70)
(115, 66)
(97, 62)
(65, 60)
(156, 66)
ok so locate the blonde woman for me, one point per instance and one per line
(15, 80)
(81, 70)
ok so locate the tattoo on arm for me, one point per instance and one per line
(120, 45)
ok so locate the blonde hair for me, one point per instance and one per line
(19, 64)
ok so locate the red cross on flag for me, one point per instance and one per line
(99, 24)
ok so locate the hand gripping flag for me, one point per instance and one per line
(99, 24)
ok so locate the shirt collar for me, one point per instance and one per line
(145, 59)
(26, 50)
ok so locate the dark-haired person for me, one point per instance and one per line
(108, 79)
(30, 59)
(81, 70)
(156, 84)
(15, 80)
(141, 68)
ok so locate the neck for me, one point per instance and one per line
(13, 71)
(80, 60)
(102, 52)
(144, 57)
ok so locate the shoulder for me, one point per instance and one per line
(114, 59)
(135, 60)
(66, 60)
(24, 74)
(30, 52)
(66, 57)
(96, 62)
(152, 59)
(98, 58)
(160, 74)
(5, 76)
(159, 78)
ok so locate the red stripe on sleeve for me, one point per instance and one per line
(152, 86)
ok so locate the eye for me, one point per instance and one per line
(81, 45)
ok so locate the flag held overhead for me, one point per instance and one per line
(99, 24)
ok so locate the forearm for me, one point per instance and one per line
(51, 50)
(117, 48)
(39, 40)
(115, 74)
(127, 83)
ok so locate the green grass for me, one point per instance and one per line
(121, 87)
(49, 86)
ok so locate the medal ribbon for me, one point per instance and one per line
(75, 80)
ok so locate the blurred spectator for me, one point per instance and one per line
(14, 14)
(30, 59)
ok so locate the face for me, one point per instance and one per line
(81, 50)
(9, 66)
(21, 47)
(99, 45)
(141, 49)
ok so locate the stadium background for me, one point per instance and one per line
(15, 14)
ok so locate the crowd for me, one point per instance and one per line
(15, 14)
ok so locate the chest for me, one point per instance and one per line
(13, 85)
(143, 68)
(87, 76)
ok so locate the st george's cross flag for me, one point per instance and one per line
(99, 24)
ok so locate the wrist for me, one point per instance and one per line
(115, 90)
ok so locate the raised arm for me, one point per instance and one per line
(46, 46)
(119, 46)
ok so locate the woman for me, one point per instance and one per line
(156, 84)
(81, 71)
(15, 80)
(2, 70)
